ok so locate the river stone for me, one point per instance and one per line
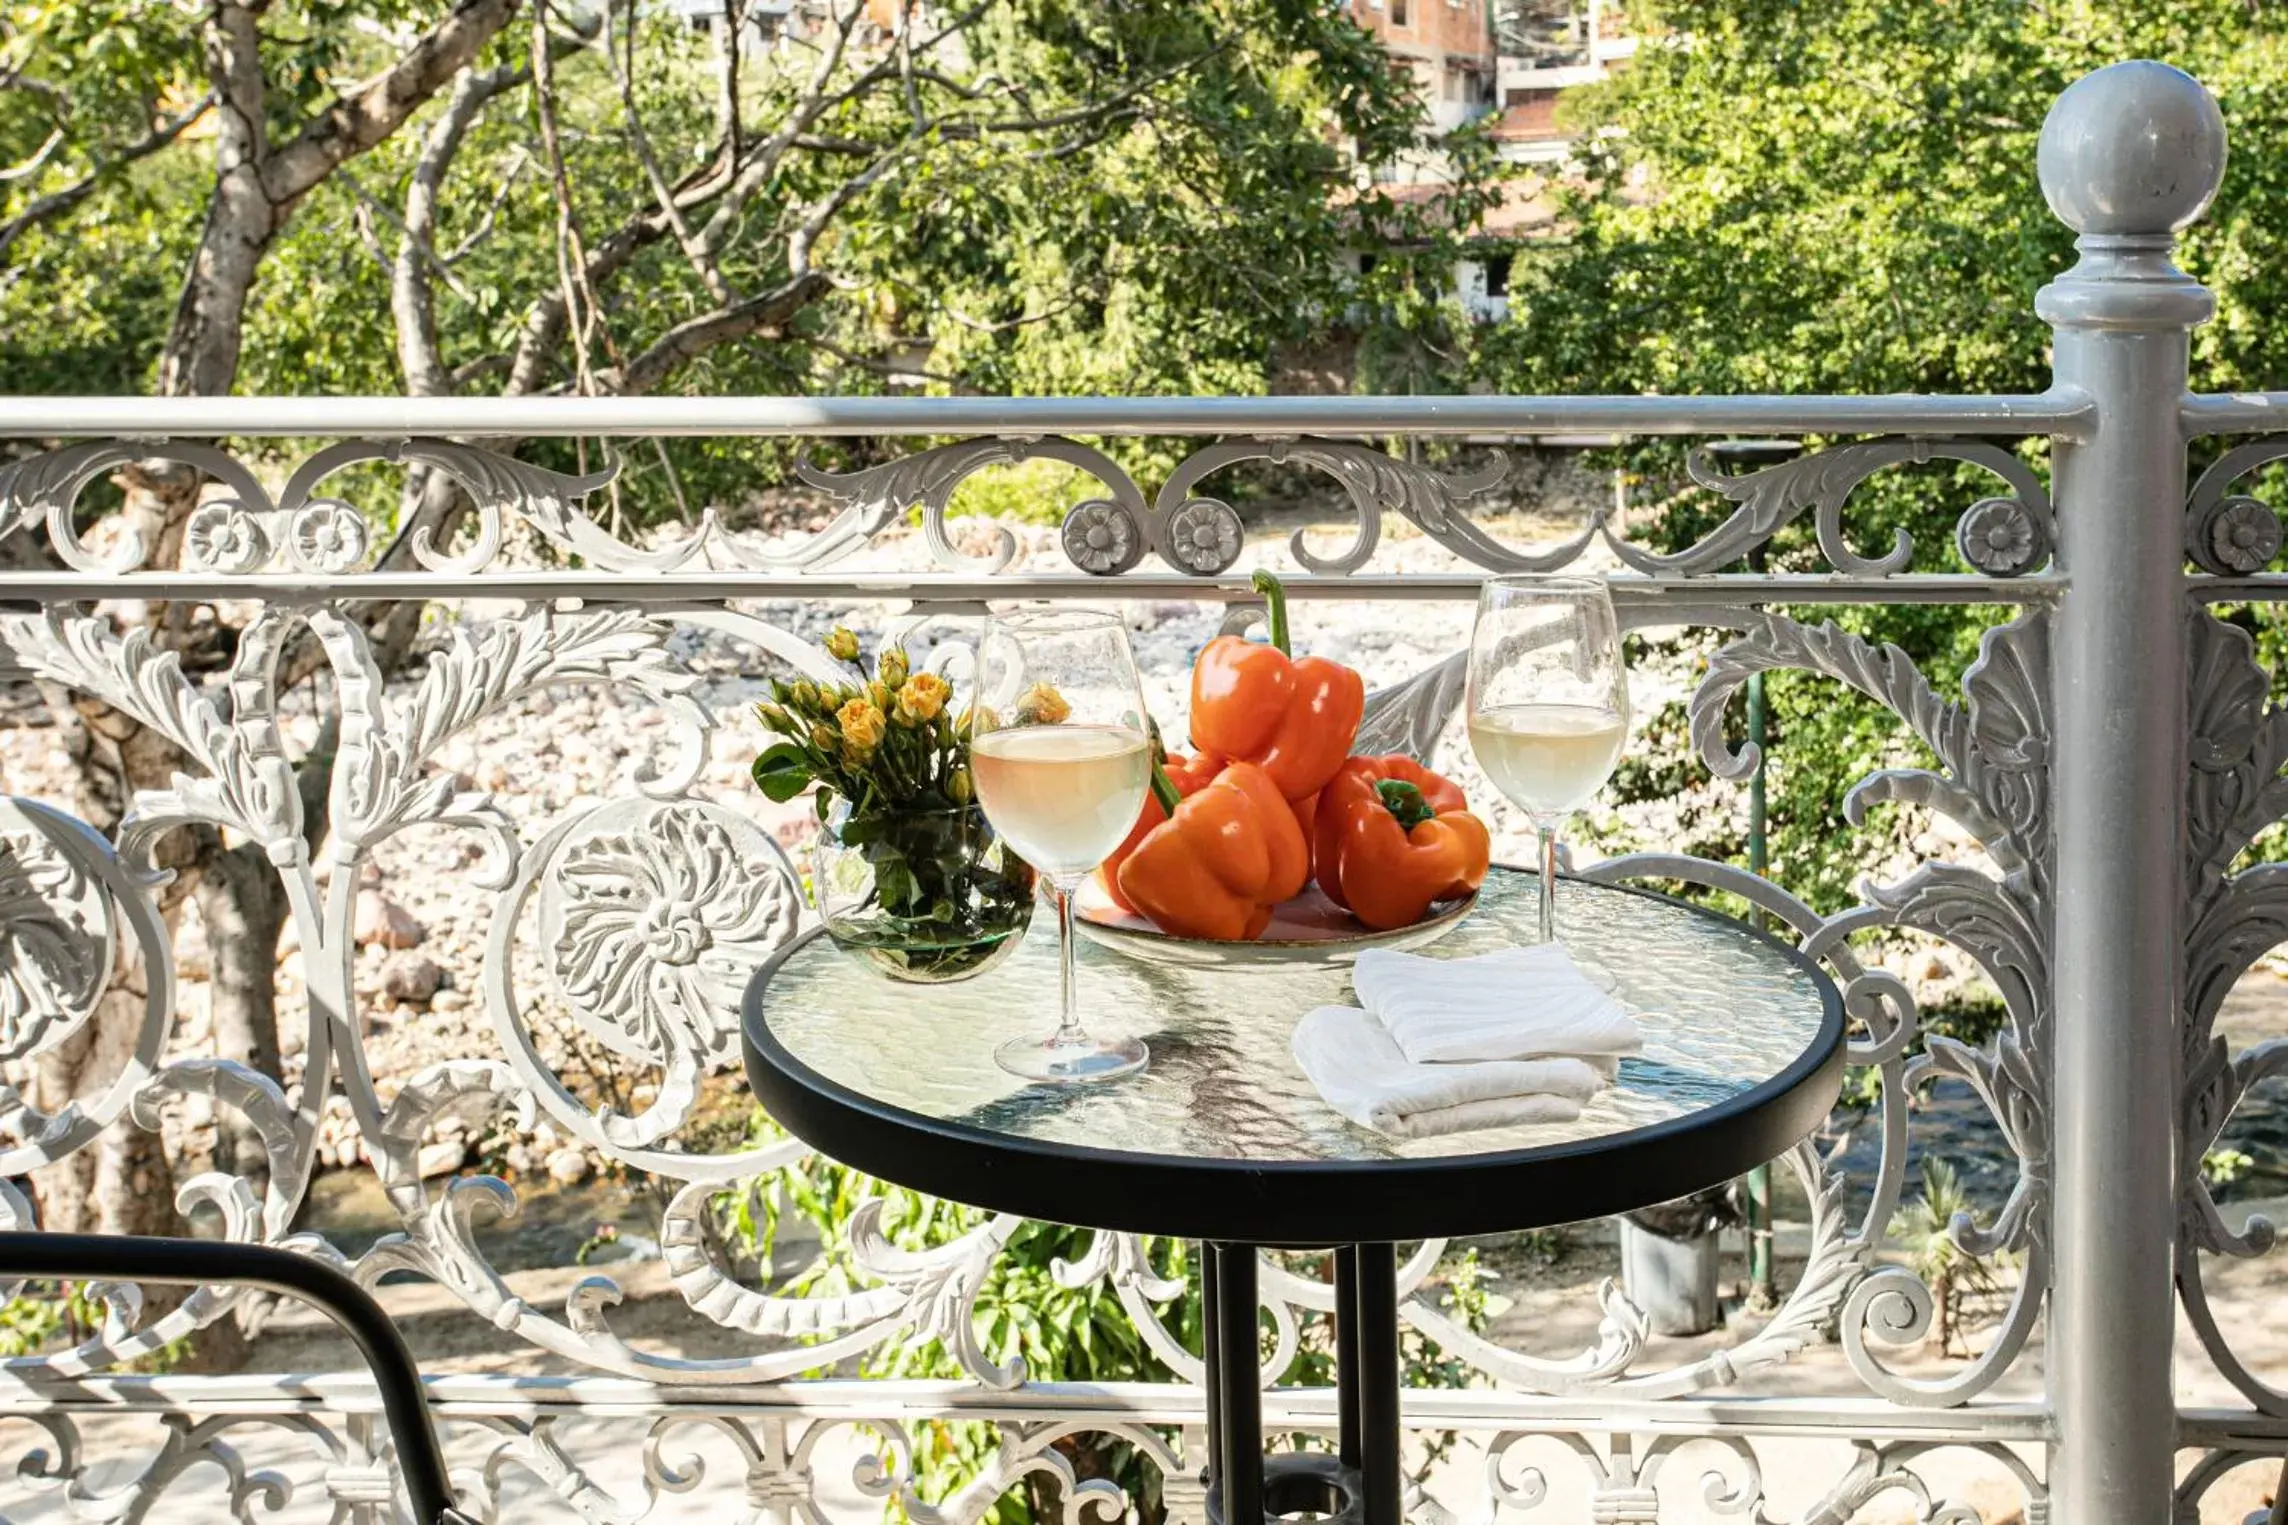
(441, 1158)
(411, 977)
(568, 1167)
(382, 923)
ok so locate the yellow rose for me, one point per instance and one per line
(861, 726)
(822, 737)
(842, 644)
(1043, 705)
(923, 696)
(895, 665)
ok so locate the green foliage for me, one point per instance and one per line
(1033, 492)
(1841, 198)
(1133, 199)
(30, 1325)
(1925, 1230)
(1028, 1309)
(1846, 198)
(2222, 1167)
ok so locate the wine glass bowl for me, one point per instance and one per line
(1548, 702)
(1061, 755)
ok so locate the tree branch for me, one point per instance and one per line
(702, 259)
(412, 297)
(357, 122)
(57, 202)
(766, 314)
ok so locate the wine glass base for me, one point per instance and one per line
(1066, 1063)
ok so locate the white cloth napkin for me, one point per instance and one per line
(1361, 1073)
(1520, 1003)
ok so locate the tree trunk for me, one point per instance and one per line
(1942, 1311)
(244, 908)
(122, 1183)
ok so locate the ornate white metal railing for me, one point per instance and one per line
(2113, 753)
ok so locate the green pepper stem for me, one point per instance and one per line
(1405, 801)
(1275, 608)
(1164, 789)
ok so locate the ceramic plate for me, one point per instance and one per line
(1310, 929)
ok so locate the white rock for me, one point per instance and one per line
(382, 923)
(568, 1167)
(441, 1158)
(448, 1000)
(411, 977)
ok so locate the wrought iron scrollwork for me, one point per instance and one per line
(1992, 748)
(2002, 536)
(2229, 533)
(2238, 748)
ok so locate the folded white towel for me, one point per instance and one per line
(1360, 1072)
(1516, 1004)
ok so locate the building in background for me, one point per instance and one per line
(1449, 44)
(1511, 60)
(1544, 48)
(764, 22)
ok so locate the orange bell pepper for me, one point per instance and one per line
(1222, 859)
(1293, 717)
(1392, 837)
(1190, 775)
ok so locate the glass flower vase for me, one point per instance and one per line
(925, 896)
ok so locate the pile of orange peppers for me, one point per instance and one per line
(1273, 798)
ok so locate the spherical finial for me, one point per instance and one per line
(2136, 147)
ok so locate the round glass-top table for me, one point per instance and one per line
(1222, 1139)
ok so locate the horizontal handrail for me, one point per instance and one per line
(2236, 413)
(207, 1262)
(913, 1400)
(665, 590)
(2060, 411)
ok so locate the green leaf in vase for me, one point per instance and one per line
(782, 772)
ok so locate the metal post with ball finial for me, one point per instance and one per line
(2128, 156)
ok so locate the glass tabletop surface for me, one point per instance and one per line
(1722, 1010)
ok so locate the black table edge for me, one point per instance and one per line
(1299, 1203)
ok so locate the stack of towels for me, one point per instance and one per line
(1449, 1045)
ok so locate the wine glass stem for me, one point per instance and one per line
(1548, 833)
(1068, 1008)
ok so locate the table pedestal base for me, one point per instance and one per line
(1362, 1483)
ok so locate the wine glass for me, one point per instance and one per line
(1549, 702)
(1062, 757)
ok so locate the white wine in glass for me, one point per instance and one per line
(1062, 757)
(1549, 702)
(1057, 792)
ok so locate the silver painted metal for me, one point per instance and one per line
(1688, 599)
(2128, 155)
(148, 418)
(1105, 537)
(2231, 533)
(2112, 753)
